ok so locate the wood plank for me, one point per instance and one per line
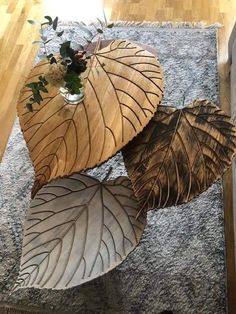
(18, 56)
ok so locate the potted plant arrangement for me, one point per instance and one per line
(66, 66)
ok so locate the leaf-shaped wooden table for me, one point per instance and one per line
(123, 88)
(180, 154)
(77, 229)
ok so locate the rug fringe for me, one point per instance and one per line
(150, 24)
(167, 24)
(15, 309)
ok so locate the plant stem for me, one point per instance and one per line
(93, 55)
(92, 40)
(108, 174)
(44, 44)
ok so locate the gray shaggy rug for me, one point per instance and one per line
(180, 262)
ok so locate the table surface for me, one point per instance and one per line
(123, 87)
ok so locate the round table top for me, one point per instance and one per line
(123, 88)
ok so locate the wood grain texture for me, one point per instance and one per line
(16, 57)
(222, 11)
(77, 229)
(123, 87)
(180, 154)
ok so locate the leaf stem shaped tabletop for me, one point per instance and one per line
(123, 87)
(180, 154)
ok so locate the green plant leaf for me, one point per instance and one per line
(53, 60)
(59, 34)
(50, 56)
(43, 89)
(48, 40)
(66, 44)
(32, 22)
(73, 82)
(105, 19)
(43, 80)
(110, 25)
(37, 42)
(54, 24)
(30, 85)
(70, 77)
(47, 17)
(38, 98)
(66, 51)
(88, 41)
(29, 107)
(36, 88)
